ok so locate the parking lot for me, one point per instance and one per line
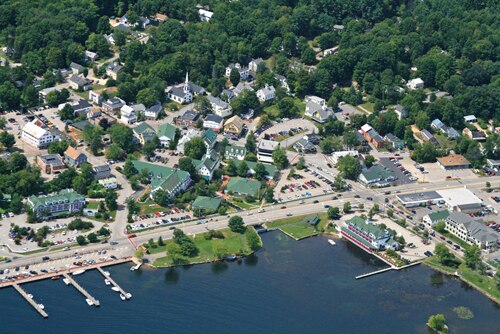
(393, 164)
(160, 218)
(302, 184)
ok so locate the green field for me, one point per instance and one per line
(149, 206)
(368, 106)
(234, 243)
(273, 111)
(297, 227)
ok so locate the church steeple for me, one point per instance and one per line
(186, 83)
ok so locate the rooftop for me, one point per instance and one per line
(267, 144)
(459, 196)
(419, 197)
(207, 203)
(453, 160)
(72, 153)
(243, 185)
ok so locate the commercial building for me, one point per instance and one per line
(472, 231)
(234, 126)
(170, 180)
(271, 170)
(367, 235)
(265, 149)
(340, 154)
(50, 163)
(166, 134)
(377, 176)
(65, 202)
(453, 161)
(422, 198)
(456, 199)
(206, 204)
(36, 136)
(433, 218)
(143, 133)
(235, 152)
(243, 186)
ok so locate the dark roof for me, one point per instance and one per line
(101, 168)
(81, 125)
(157, 108)
(213, 118)
(189, 115)
(82, 104)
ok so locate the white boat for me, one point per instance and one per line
(89, 302)
(107, 273)
(107, 282)
(128, 295)
(115, 288)
(122, 296)
(331, 242)
(136, 267)
(30, 295)
(66, 281)
(78, 272)
(41, 306)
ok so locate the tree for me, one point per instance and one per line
(202, 105)
(114, 152)
(231, 168)
(220, 249)
(279, 158)
(350, 139)
(242, 169)
(234, 77)
(301, 163)
(92, 237)
(160, 241)
(186, 164)
(128, 169)
(347, 207)
(333, 213)
(237, 225)
(81, 240)
(123, 136)
(260, 172)
(110, 198)
(147, 96)
(369, 160)
(195, 148)
(120, 38)
(445, 256)
(390, 213)
(253, 240)
(438, 323)
(440, 226)
(148, 149)
(349, 167)
(66, 113)
(7, 140)
(250, 144)
(472, 256)
(58, 147)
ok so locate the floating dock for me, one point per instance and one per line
(375, 272)
(82, 290)
(112, 281)
(30, 300)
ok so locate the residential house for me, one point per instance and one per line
(470, 119)
(153, 112)
(234, 126)
(170, 180)
(205, 15)
(435, 217)
(242, 70)
(144, 22)
(283, 82)
(128, 115)
(437, 124)
(190, 134)
(428, 137)
(453, 161)
(253, 65)
(143, 133)
(188, 119)
(213, 122)
(266, 94)
(474, 134)
(265, 149)
(166, 134)
(395, 142)
(101, 172)
(94, 112)
(209, 138)
(109, 183)
(235, 152)
(228, 95)
(79, 83)
(208, 164)
(45, 92)
(79, 126)
(304, 146)
(367, 235)
(317, 109)
(95, 96)
(241, 87)
(36, 136)
(160, 17)
(243, 186)
(73, 157)
(271, 170)
(65, 202)
(76, 68)
(415, 84)
(113, 69)
(206, 204)
(113, 105)
(472, 231)
(377, 176)
(90, 56)
(80, 107)
(440, 126)
(50, 163)
(400, 111)
(362, 139)
(219, 107)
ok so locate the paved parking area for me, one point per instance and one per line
(397, 167)
(305, 184)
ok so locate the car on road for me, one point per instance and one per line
(283, 207)
(442, 238)
(428, 253)
(370, 198)
(289, 214)
(315, 201)
(172, 228)
(326, 206)
(356, 196)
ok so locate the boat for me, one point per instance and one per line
(41, 306)
(89, 302)
(30, 295)
(107, 273)
(331, 242)
(136, 267)
(231, 257)
(122, 296)
(128, 295)
(115, 288)
(55, 278)
(107, 282)
(78, 272)
(66, 281)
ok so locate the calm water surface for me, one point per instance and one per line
(288, 287)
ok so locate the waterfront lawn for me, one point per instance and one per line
(235, 243)
(296, 226)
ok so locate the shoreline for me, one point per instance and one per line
(486, 294)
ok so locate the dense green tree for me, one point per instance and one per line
(7, 140)
(195, 148)
(279, 158)
(58, 147)
(349, 167)
(236, 224)
(333, 213)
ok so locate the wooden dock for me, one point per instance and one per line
(112, 281)
(30, 300)
(82, 290)
(375, 272)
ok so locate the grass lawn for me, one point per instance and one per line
(92, 205)
(445, 142)
(112, 215)
(244, 205)
(273, 112)
(368, 106)
(296, 226)
(235, 243)
(149, 206)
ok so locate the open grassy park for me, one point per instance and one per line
(233, 243)
(297, 227)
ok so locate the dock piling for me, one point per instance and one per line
(112, 281)
(30, 300)
(82, 290)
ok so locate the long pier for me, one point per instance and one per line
(375, 272)
(112, 281)
(82, 290)
(30, 300)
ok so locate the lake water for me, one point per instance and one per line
(287, 287)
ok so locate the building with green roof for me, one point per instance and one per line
(209, 137)
(65, 202)
(243, 186)
(166, 134)
(377, 176)
(143, 133)
(367, 235)
(206, 203)
(272, 171)
(170, 180)
(208, 164)
(436, 217)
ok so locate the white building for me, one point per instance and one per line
(415, 84)
(36, 136)
(214, 122)
(190, 134)
(242, 70)
(472, 231)
(340, 154)
(128, 115)
(219, 107)
(181, 95)
(266, 94)
(205, 15)
(461, 199)
(109, 183)
(265, 149)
